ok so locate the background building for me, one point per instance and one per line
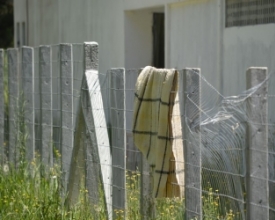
(222, 37)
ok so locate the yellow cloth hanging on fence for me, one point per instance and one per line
(156, 92)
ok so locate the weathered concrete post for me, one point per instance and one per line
(257, 145)
(66, 111)
(45, 74)
(192, 145)
(13, 79)
(118, 137)
(28, 98)
(98, 145)
(2, 109)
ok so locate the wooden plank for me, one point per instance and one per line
(118, 139)
(13, 100)
(257, 148)
(2, 110)
(45, 74)
(67, 129)
(96, 124)
(28, 96)
(192, 151)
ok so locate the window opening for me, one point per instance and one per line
(158, 40)
(249, 12)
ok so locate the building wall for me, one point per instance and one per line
(111, 23)
(245, 47)
(195, 35)
(20, 16)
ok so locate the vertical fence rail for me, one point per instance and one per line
(13, 100)
(92, 162)
(257, 149)
(118, 137)
(28, 97)
(98, 148)
(133, 155)
(67, 131)
(45, 74)
(2, 109)
(192, 152)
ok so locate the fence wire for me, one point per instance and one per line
(48, 91)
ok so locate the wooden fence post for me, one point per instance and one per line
(66, 111)
(118, 137)
(13, 101)
(257, 149)
(98, 145)
(28, 91)
(2, 109)
(45, 74)
(192, 151)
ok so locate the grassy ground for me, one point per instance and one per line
(30, 193)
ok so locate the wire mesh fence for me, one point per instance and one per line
(78, 118)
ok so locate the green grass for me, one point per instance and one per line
(29, 192)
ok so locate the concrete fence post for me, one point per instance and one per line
(133, 155)
(2, 109)
(66, 112)
(28, 98)
(191, 102)
(98, 152)
(13, 81)
(45, 74)
(118, 137)
(257, 145)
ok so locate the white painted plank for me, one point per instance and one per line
(2, 109)
(13, 100)
(118, 139)
(67, 130)
(28, 96)
(96, 122)
(45, 74)
(257, 148)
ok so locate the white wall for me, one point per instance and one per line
(194, 37)
(20, 16)
(104, 21)
(245, 47)
(69, 21)
(139, 37)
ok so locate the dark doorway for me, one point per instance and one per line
(158, 40)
